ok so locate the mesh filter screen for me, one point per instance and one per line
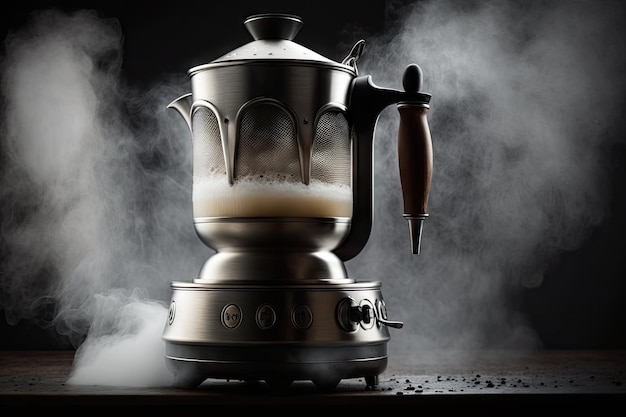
(208, 158)
(331, 159)
(268, 148)
(266, 171)
(267, 145)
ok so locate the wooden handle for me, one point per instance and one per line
(415, 157)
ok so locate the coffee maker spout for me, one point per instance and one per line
(183, 106)
(416, 223)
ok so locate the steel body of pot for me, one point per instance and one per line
(283, 150)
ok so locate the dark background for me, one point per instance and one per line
(581, 302)
(164, 38)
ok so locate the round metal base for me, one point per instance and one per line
(277, 366)
(277, 334)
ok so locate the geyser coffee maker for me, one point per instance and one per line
(283, 192)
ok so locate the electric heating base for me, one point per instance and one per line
(277, 333)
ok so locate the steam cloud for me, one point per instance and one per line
(526, 97)
(96, 196)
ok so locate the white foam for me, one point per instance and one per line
(268, 196)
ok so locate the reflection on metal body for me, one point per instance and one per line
(305, 92)
(275, 302)
(272, 249)
(201, 311)
(216, 330)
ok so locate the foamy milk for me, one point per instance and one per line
(258, 197)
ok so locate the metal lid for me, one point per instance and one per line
(273, 35)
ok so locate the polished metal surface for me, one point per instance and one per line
(271, 267)
(272, 249)
(273, 35)
(274, 302)
(279, 366)
(416, 223)
(200, 311)
(304, 92)
(286, 332)
(271, 233)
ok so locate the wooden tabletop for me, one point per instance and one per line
(31, 379)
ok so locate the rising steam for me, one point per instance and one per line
(96, 204)
(525, 95)
(95, 210)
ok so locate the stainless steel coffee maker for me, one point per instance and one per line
(283, 192)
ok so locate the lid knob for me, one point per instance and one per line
(273, 26)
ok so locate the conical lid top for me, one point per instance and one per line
(273, 36)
